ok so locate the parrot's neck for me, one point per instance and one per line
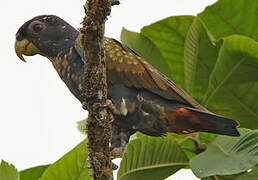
(70, 69)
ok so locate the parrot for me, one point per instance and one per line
(144, 100)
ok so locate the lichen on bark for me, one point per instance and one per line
(99, 127)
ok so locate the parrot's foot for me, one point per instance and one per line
(108, 104)
(198, 146)
(117, 152)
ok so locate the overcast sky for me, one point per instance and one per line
(38, 114)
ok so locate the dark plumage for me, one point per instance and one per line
(144, 99)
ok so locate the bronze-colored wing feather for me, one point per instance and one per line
(127, 68)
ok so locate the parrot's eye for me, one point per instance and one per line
(36, 28)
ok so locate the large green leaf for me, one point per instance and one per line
(200, 56)
(252, 175)
(151, 158)
(145, 47)
(227, 17)
(227, 155)
(8, 171)
(33, 173)
(233, 85)
(185, 142)
(169, 36)
(72, 166)
(228, 177)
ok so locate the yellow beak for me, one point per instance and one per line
(25, 47)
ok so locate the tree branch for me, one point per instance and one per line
(99, 127)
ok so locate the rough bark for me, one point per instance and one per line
(99, 126)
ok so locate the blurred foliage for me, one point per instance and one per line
(214, 57)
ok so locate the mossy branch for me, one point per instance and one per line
(99, 127)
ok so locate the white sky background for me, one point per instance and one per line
(38, 114)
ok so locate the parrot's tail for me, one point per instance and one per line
(187, 120)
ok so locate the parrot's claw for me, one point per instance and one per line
(110, 105)
(117, 152)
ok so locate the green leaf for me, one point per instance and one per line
(32, 173)
(72, 166)
(252, 175)
(227, 155)
(144, 47)
(229, 177)
(184, 142)
(228, 17)
(8, 171)
(200, 56)
(233, 84)
(169, 36)
(151, 158)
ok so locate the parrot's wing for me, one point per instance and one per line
(126, 67)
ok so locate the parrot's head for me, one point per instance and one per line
(47, 35)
